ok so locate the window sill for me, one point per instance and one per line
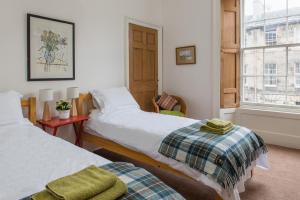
(270, 111)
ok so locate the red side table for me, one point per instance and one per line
(55, 123)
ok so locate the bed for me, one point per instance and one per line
(30, 158)
(137, 134)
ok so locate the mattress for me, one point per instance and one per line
(143, 132)
(30, 159)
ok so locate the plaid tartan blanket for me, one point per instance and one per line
(223, 158)
(142, 185)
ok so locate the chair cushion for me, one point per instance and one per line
(167, 102)
(172, 112)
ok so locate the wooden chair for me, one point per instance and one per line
(181, 103)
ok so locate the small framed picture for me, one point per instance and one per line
(186, 55)
(50, 49)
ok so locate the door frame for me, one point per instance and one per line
(216, 58)
(159, 29)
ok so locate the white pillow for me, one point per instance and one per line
(114, 99)
(10, 108)
(97, 101)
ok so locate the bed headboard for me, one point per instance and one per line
(30, 105)
(85, 103)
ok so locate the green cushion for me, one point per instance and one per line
(172, 112)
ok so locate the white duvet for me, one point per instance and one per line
(30, 158)
(144, 132)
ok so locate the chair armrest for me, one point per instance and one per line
(156, 107)
(182, 104)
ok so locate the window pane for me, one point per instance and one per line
(294, 60)
(254, 10)
(293, 85)
(294, 29)
(249, 89)
(275, 8)
(254, 34)
(293, 100)
(293, 90)
(259, 90)
(294, 7)
(276, 56)
(275, 95)
(270, 81)
(253, 62)
(297, 68)
(275, 31)
(271, 73)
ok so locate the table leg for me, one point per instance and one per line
(78, 132)
(54, 131)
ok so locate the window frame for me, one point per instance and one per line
(287, 45)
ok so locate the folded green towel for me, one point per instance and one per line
(84, 184)
(112, 193)
(220, 131)
(43, 195)
(219, 123)
(116, 191)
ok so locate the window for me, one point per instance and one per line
(270, 75)
(270, 52)
(271, 38)
(297, 68)
(297, 75)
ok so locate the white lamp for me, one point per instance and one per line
(46, 95)
(73, 93)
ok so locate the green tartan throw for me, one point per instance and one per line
(142, 185)
(224, 158)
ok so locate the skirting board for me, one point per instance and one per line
(280, 139)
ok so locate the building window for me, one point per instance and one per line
(297, 68)
(270, 73)
(270, 60)
(297, 75)
(271, 38)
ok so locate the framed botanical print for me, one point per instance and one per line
(186, 55)
(50, 49)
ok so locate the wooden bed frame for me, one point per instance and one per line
(85, 102)
(30, 104)
(84, 105)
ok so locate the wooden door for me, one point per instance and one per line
(230, 53)
(143, 65)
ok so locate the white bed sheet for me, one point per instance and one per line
(30, 158)
(144, 132)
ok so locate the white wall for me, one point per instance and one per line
(99, 39)
(189, 22)
(276, 127)
(99, 26)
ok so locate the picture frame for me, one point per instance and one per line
(186, 55)
(50, 49)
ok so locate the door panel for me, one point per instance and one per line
(230, 54)
(149, 69)
(143, 64)
(137, 64)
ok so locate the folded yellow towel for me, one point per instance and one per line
(116, 191)
(220, 131)
(43, 195)
(219, 123)
(113, 193)
(85, 184)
